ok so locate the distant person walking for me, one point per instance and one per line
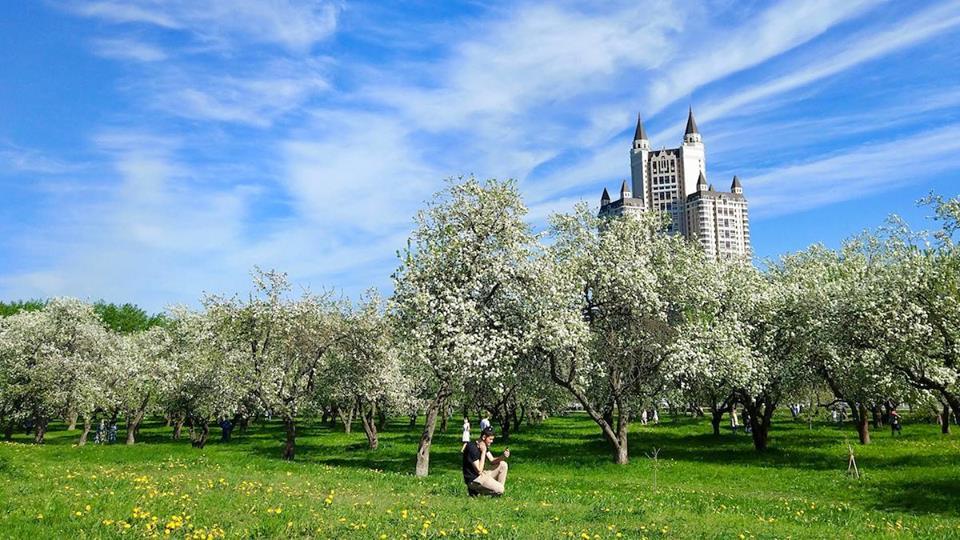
(895, 427)
(465, 438)
(226, 428)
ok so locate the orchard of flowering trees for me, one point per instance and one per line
(489, 317)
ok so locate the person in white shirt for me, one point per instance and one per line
(466, 433)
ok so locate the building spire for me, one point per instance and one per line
(736, 187)
(691, 123)
(640, 134)
(701, 182)
(605, 198)
(624, 191)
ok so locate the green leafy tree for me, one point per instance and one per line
(126, 318)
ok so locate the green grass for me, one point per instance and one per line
(561, 484)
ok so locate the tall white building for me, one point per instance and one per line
(673, 181)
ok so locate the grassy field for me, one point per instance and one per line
(561, 484)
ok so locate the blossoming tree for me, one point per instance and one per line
(611, 297)
(283, 342)
(461, 278)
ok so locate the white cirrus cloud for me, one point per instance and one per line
(127, 48)
(296, 26)
(854, 173)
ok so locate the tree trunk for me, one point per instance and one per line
(863, 424)
(178, 427)
(443, 419)
(426, 437)
(198, 437)
(40, 429)
(716, 416)
(243, 421)
(620, 454)
(288, 446)
(518, 419)
(131, 430)
(413, 420)
(945, 423)
(761, 415)
(854, 411)
(381, 419)
(86, 431)
(134, 418)
(759, 432)
(347, 418)
(504, 423)
(954, 405)
(369, 427)
(877, 420)
(72, 421)
(608, 413)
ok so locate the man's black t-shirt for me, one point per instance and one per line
(470, 454)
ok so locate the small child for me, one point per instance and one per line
(466, 433)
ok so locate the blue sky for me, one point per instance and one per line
(153, 150)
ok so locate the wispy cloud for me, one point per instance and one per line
(860, 172)
(848, 53)
(296, 26)
(721, 52)
(15, 158)
(255, 98)
(356, 171)
(128, 49)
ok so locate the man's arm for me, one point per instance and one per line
(483, 457)
(494, 461)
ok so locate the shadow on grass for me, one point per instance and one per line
(932, 496)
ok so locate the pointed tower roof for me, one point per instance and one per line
(623, 189)
(710, 187)
(736, 183)
(640, 134)
(702, 180)
(605, 198)
(691, 123)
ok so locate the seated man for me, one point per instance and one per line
(475, 456)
